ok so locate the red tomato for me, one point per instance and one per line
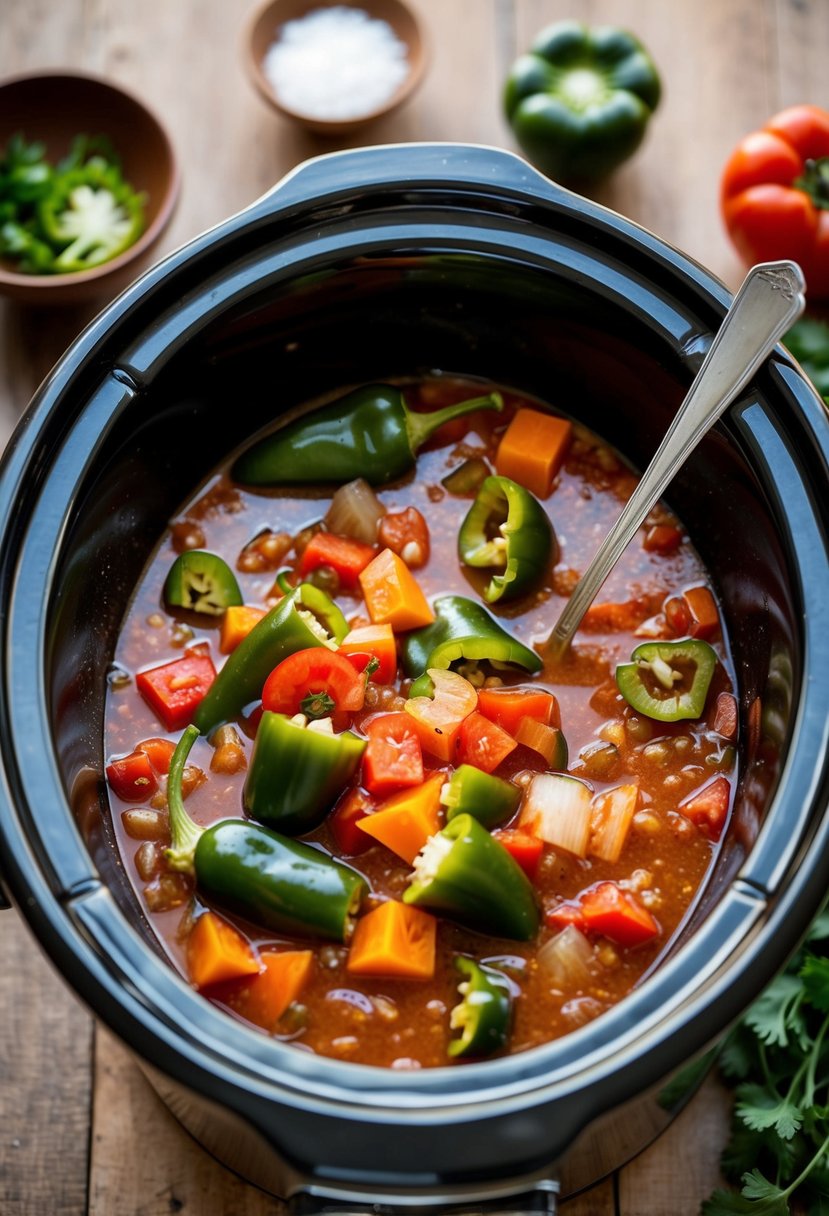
(708, 807)
(406, 533)
(316, 671)
(344, 823)
(773, 194)
(348, 557)
(393, 758)
(617, 914)
(483, 743)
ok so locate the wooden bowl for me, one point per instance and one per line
(53, 107)
(264, 29)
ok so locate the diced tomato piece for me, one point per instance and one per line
(525, 848)
(617, 914)
(132, 777)
(160, 752)
(483, 743)
(173, 690)
(662, 538)
(508, 707)
(708, 807)
(569, 912)
(316, 672)
(375, 641)
(393, 758)
(616, 617)
(724, 718)
(347, 556)
(694, 613)
(343, 821)
(407, 534)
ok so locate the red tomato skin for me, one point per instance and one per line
(393, 758)
(132, 777)
(314, 670)
(708, 807)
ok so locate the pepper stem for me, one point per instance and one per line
(184, 832)
(421, 427)
(814, 181)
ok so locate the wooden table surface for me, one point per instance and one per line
(80, 1130)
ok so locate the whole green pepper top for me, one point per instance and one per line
(483, 1015)
(369, 433)
(298, 770)
(579, 101)
(273, 881)
(463, 630)
(201, 582)
(668, 681)
(470, 877)
(305, 617)
(507, 529)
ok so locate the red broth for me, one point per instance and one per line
(668, 850)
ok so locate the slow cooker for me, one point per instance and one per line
(386, 262)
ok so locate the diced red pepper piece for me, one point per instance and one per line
(662, 538)
(482, 743)
(708, 807)
(525, 848)
(132, 777)
(393, 758)
(508, 707)
(343, 821)
(173, 690)
(347, 556)
(617, 914)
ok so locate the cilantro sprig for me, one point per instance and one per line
(777, 1060)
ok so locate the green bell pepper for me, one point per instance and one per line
(201, 582)
(463, 630)
(471, 791)
(298, 771)
(483, 1016)
(467, 875)
(303, 618)
(279, 883)
(580, 100)
(668, 681)
(369, 433)
(507, 529)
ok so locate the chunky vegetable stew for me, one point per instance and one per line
(363, 809)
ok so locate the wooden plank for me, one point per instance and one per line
(45, 1092)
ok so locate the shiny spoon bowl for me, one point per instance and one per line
(769, 301)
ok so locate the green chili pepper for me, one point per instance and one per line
(463, 629)
(579, 102)
(668, 680)
(298, 771)
(303, 618)
(369, 433)
(467, 875)
(466, 480)
(279, 883)
(483, 1016)
(470, 791)
(507, 529)
(201, 582)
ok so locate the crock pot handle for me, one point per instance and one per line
(415, 166)
(540, 1200)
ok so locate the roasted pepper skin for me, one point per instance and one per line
(369, 433)
(580, 100)
(475, 881)
(521, 553)
(692, 658)
(203, 582)
(282, 884)
(483, 1016)
(463, 629)
(296, 774)
(280, 633)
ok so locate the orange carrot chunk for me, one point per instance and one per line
(532, 450)
(216, 951)
(264, 998)
(237, 623)
(405, 821)
(392, 594)
(395, 940)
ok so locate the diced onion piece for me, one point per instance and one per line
(567, 958)
(557, 809)
(355, 511)
(610, 820)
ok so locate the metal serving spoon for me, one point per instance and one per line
(768, 302)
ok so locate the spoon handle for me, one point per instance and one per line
(768, 302)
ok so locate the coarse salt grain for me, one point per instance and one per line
(336, 63)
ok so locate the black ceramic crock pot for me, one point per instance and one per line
(386, 262)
